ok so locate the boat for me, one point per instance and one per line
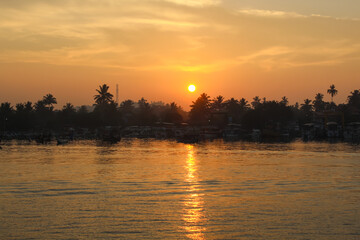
(62, 141)
(110, 134)
(188, 138)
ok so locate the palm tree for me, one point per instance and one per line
(232, 105)
(20, 107)
(284, 101)
(143, 104)
(68, 108)
(233, 108)
(218, 103)
(306, 106)
(243, 104)
(39, 106)
(319, 104)
(171, 113)
(49, 100)
(28, 106)
(200, 110)
(173, 106)
(332, 91)
(103, 96)
(256, 102)
(5, 109)
(354, 98)
(127, 106)
(319, 97)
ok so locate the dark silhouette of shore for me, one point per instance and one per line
(232, 119)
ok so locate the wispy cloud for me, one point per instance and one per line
(190, 36)
(196, 3)
(283, 14)
(270, 13)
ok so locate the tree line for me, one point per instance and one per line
(257, 113)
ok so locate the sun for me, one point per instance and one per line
(191, 88)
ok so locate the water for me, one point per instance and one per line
(140, 189)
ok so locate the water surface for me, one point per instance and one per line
(149, 189)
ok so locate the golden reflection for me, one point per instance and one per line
(193, 212)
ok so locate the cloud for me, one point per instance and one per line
(189, 36)
(196, 3)
(270, 13)
(283, 14)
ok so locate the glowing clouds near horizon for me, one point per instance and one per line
(191, 88)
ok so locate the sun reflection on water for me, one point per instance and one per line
(193, 203)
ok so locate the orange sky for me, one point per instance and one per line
(154, 49)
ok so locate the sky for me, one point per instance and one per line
(155, 49)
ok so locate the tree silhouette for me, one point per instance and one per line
(68, 108)
(217, 103)
(28, 106)
(171, 113)
(200, 110)
(318, 103)
(306, 106)
(105, 108)
(20, 107)
(103, 96)
(6, 111)
(24, 107)
(284, 101)
(266, 115)
(145, 115)
(68, 114)
(354, 99)
(127, 106)
(332, 91)
(256, 102)
(127, 110)
(23, 117)
(48, 101)
(40, 106)
(243, 105)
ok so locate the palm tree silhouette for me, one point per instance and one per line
(332, 91)
(354, 98)
(232, 105)
(172, 113)
(104, 97)
(68, 108)
(319, 104)
(319, 97)
(49, 100)
(28, 106)
(218, 103)
(284, 100)
(306, 106)
(200, 109)
(243, 104)
(256, 102)
(127, 106)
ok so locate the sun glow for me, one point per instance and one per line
(191, 88)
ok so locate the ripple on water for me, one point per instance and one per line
(164, 190)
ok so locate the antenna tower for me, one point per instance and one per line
(117, 93)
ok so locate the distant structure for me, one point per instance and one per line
(117, 93)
